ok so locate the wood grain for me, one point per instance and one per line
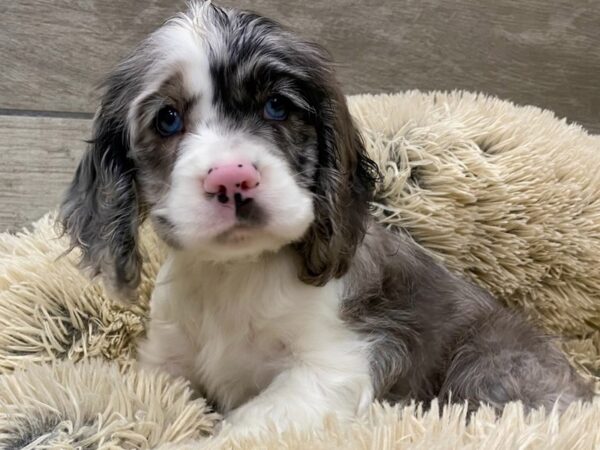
(38, 158)
(55, 51)
(542, 52)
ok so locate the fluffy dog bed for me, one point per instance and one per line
(509, 196)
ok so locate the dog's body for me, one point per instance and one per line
(250, 335)
(281, 300)
(254, 328)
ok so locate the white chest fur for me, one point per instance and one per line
(232, 329)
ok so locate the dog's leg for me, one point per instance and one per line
(166, 348)
(505, 359)
(303, 395)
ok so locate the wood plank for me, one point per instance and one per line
(542, 52)
(54, 52)
(38, 156)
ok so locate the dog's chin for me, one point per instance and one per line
(237, 235)
(238, 242)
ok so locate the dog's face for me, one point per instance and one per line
(232, 136)
(223, 135)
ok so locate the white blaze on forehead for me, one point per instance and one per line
(199, 36)
(182, 46)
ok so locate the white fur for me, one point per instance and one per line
(266, 346)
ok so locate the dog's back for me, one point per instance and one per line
(434, 334)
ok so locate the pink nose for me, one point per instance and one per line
(228, 179)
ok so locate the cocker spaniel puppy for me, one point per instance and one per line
(281, 300)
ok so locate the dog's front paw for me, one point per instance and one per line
(256, 418)
(249, 420)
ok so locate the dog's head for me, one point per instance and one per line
(232, 136)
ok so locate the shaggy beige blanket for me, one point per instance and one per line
(509, 196)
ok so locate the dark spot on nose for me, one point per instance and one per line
(246, 209)
(241, 204)
(240, 165)
(222, 198)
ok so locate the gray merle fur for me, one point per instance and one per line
(435, 335)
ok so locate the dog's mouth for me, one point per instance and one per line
(237, 234)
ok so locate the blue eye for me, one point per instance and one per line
(168, 121)
(276, 108)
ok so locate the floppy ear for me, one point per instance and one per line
(344, 186)
(100, 211)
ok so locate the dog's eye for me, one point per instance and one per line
(168, 121)
(276, 108)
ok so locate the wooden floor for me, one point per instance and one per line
(53, 53)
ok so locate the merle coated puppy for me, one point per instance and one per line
(281, 299)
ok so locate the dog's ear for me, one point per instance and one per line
(343, 187)
(101, 209)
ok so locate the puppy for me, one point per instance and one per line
(281, 300)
